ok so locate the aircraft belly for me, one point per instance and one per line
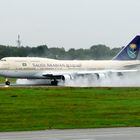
(17, 73)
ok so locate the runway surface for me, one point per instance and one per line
(75, 134)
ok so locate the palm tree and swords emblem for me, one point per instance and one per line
(132, 51)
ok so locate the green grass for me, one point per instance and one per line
(2, 80)
(50, 108)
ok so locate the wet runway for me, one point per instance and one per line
(24, 85)
(75, 134)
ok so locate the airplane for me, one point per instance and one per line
(61, 70)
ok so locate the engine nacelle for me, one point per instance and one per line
(101, 76)
(66, 77)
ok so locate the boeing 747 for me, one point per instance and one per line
(61, 70)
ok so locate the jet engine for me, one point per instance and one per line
(66, 77)
(100, 76)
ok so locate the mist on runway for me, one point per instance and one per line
(125, 80)
(32, 82)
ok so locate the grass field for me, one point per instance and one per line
(2, 80)
(49, 108)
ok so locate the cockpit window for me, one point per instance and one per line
(3, 60)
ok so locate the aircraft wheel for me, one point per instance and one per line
(7, 83)
(54, 83)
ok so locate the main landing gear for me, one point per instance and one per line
(54, 82)
(7, 82)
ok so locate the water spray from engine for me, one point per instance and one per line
(125, 80)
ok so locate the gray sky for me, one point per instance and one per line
(69, 23)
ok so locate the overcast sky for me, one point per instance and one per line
(69, 23)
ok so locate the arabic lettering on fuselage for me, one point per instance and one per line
(56, 65)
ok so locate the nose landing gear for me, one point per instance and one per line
(7, 82)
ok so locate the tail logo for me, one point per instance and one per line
(131, 51)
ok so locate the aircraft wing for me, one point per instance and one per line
(106, 71)
(70, 74)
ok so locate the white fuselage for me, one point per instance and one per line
(33, 67)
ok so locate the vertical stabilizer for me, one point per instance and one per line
(131, 51)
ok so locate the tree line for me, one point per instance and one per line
(94, 52)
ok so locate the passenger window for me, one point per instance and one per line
(3, 59)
